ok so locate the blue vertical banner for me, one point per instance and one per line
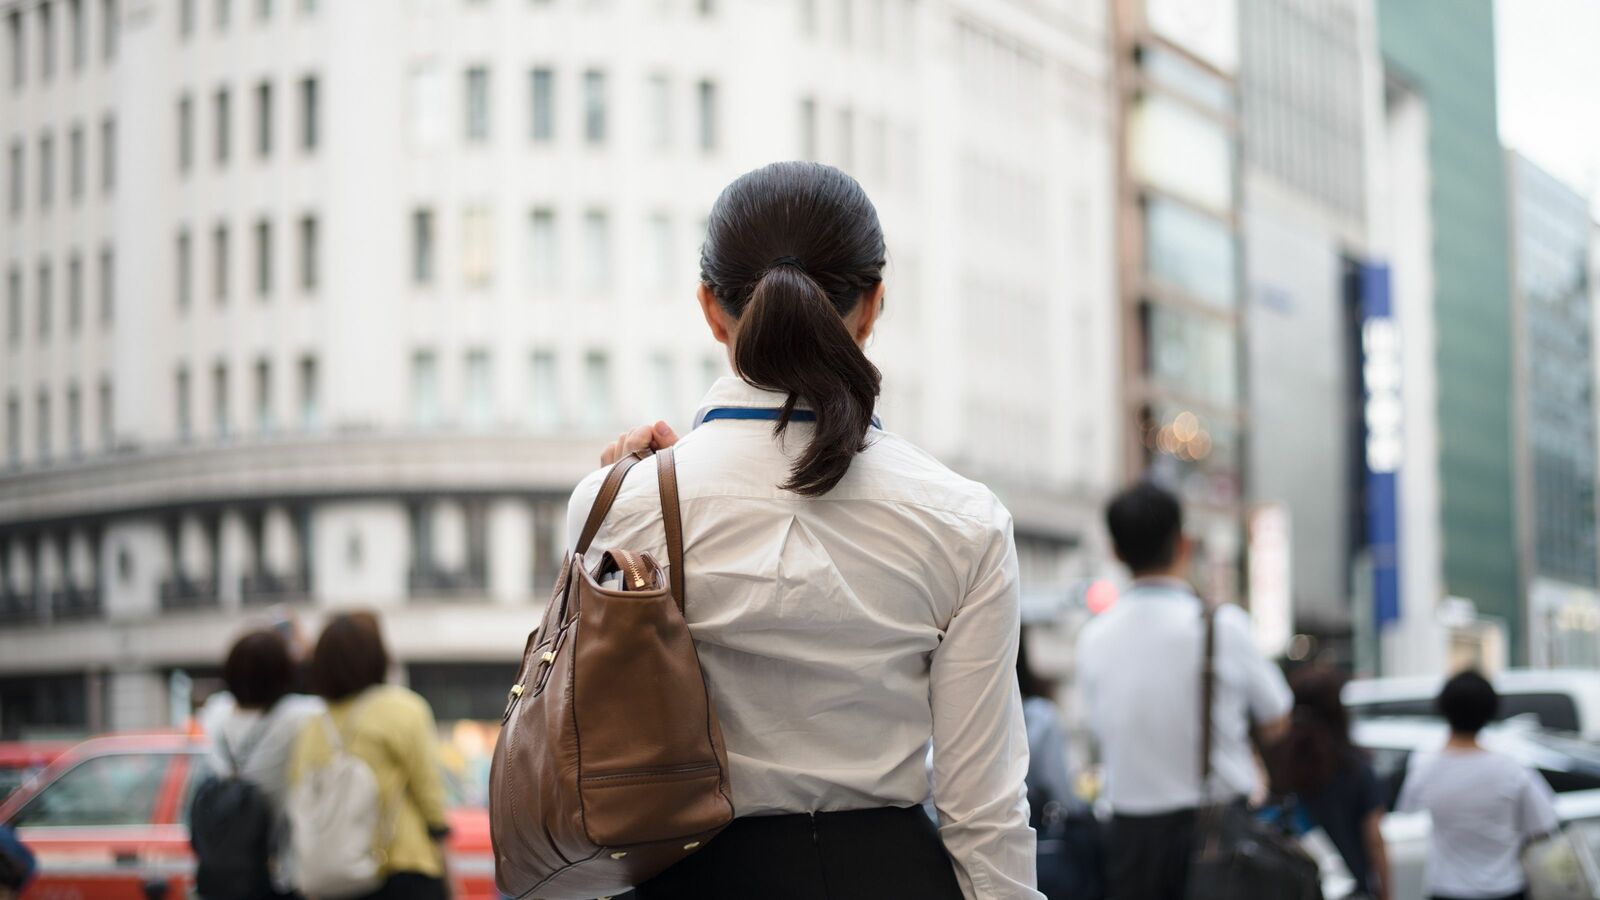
(1384, 432)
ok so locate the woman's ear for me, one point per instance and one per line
(721, 324)
(862, 319)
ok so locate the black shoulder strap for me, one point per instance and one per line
(1208, 689)
(250, 741)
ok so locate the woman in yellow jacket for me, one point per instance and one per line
(392, 730)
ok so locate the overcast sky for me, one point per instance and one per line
(1549, 74)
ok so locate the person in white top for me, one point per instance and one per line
(851, 599)
(1485, 807)
(1139, 671)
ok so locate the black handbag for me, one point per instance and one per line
(1235, 854)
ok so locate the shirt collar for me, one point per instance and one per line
(733, 392)
(1161, 583)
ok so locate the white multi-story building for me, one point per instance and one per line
(328, 304)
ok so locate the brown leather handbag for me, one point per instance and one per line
(610, 765)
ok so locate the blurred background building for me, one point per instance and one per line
(315, 305)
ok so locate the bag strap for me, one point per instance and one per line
(607, 496)
(1208, 689)
(671, 520)
(251, 740)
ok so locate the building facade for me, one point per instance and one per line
(1309, 77)
(1450, 62)
(1555, 405)
(314, 306)
(1183, 413)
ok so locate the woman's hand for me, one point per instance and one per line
(646, 437)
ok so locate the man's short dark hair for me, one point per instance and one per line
(1468, 702)
(258, 670)
(1145, 522)
(349, 658)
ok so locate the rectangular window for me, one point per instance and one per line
(477, 104)
(707, 97)
(1191, 251)
(847, 139)
(47, 42)
(45, 300)
(75, 162)
(186, 17)
(184, 411)
(74, 294)
(183, 271)
(542, 104)
(310, 394)
(596, 251)
(263, 9)
(219, 264)
(477, 247)
(663, 386)
(597, 397)
(221, 106)
(594, 106)
(224, 13)
(14, 305)
(19, 56)
(108, 155)
(543, 258)
(477, 402)
(424, 389)
(108, 416)
(110, 28)
(808, 128)
(310, 260)
(661, 252)
(185, 133)
(219, 399)
(74, 422)
(108, 285)
(47, 167)
(544, 391)
(309, 113)
(80, 34)
(17, 177)
(13, 431)
(658, 105)
(263, 391)
(427, 106)
(422, 246)
(263, 241)
(264, 119)
(41, 425)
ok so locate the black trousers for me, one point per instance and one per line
(1147, 857)
(869, 854)
(409, 886)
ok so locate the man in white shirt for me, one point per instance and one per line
(1139, 670)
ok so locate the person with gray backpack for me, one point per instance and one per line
(236, 823)
(366, 798)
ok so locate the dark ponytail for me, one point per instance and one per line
(791, 249)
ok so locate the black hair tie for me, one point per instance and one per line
(788, 261)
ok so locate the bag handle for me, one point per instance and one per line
(607, 496)
(1208, 688)
(671, 520)
(671, 517)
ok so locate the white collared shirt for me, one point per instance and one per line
(840, 634)
(1139, 671)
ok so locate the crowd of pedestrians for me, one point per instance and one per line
(345, 778)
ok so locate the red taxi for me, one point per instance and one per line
(107, 818)
(21, 760)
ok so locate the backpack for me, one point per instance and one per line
(334, 812)
(232, 829)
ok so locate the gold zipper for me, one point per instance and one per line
(631, 567)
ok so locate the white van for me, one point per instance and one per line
(1559, 699)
